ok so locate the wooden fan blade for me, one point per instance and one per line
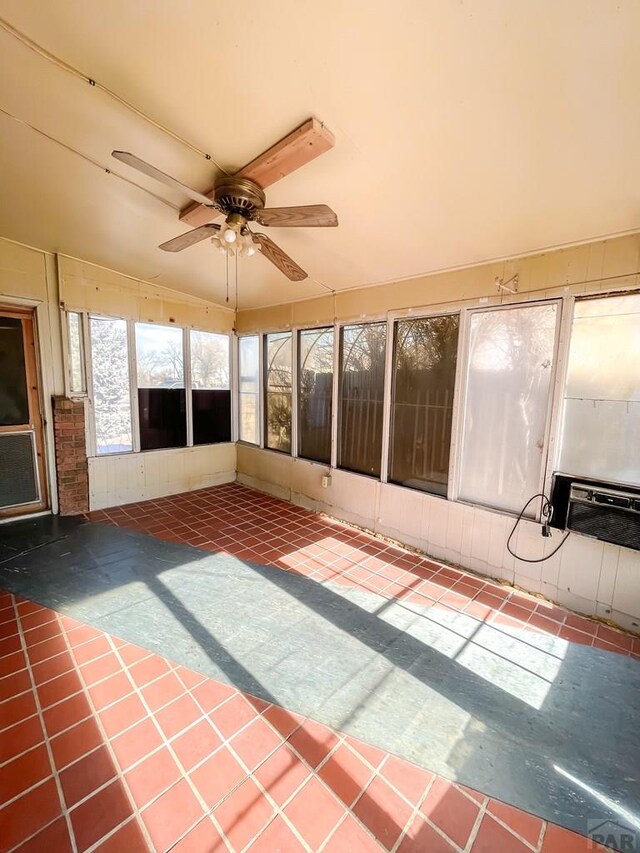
(279, 258)
(298, 148)
(152, 172)
(307, 216)
(301, 146)
(183, 241)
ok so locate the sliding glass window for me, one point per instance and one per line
(424, 372)
(211, 391)
(278, 382)
(161, 392)
(601, 421)
(249, 388)
(509, 375)
(362, 361)
(315, 384)
(110, 385)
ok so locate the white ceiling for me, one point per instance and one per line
(464, 130)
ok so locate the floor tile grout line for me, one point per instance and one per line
(505, 824)
(533, 847)
(541, 837)
(312, 772)
(165, 740)
(54, 770)
(106, 741)
(476, 826)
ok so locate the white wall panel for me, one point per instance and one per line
(126, 478)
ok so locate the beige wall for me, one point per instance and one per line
(32, 277)
(87, 287)
(606, 264)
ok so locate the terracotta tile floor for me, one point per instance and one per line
(106, 746)
(253, 526)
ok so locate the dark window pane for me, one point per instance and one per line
(316, 380)
(211, 416)
(362, 359)
(161, 395)
(163, 421)
(422, 403)
(211, 397)
(278, 387)
(14, 403)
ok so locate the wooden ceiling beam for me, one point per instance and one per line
(298, 148)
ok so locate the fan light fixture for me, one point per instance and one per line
(231, 241)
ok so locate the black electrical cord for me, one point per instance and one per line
(547, 512)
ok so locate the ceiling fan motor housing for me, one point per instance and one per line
(238, 196)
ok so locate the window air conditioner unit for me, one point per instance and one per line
(606, 511)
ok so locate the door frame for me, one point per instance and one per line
(27, 315)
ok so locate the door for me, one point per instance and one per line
(22, 470)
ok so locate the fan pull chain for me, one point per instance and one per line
(236, 256)
(226, 270)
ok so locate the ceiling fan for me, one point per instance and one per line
(241, 200)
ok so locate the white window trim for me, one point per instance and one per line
(260, 415)
(133, 382)
(66, 353)
(461, 404)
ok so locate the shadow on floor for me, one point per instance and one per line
(546, 725)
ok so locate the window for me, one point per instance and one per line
(211, 392)
(76, 353)
(362, 361)
(601, 421)
(249, 370)
(510, 368)
(161, 392)
(315, 380)
(424, 374)
(278, 389)
(110, 380)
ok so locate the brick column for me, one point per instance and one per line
(71, 456)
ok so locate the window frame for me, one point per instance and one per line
(265, 390)
(188, 330)
(569, 305)
(260, 392)
(91, 442)
(333, 421)
(91, 438)
(339, 331)
(65, 314)
(545, 474)
(411, 314)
